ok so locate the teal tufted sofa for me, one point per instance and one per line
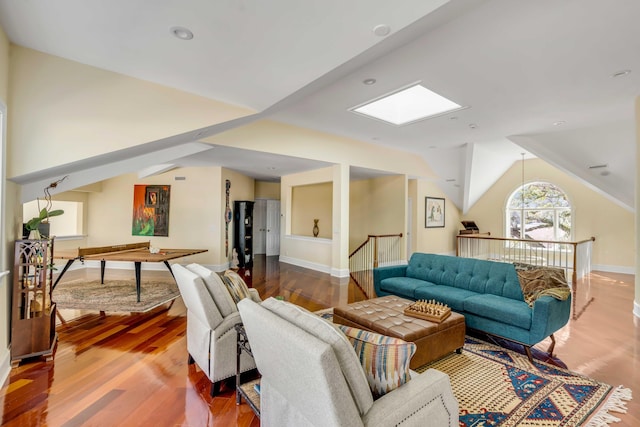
(487, 293)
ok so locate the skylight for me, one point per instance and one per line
(407, 105)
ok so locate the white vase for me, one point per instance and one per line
(35, 235)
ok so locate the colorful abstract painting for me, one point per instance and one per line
(150, 210)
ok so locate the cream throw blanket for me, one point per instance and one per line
(538, 281)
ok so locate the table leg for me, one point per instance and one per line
(170, 270)
(137, 264)
(103, 264)
(64, 270)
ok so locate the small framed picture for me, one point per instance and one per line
(434, 212)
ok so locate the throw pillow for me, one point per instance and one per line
(385, 360)
(235, 285)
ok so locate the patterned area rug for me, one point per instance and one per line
(114, 295)
(498, 387)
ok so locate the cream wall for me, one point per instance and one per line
(636, 308)
(196, 217)
(377, 206)
(594, 215)
(83, 111)
(309, 202)
(9, 195)
(434, 240)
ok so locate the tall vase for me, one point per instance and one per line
(316, 230)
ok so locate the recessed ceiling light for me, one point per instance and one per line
(271, 168)
(605, 173)
(381, 30)
(181, 32)
(433, 147)
(369, 82)
(559, 123)
(600, 166)
(473, 125)
(621, 73)
(453, 118)
(406, 105)
(450, 180)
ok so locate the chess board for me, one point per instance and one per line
(432, 310)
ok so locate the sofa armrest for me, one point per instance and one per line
(549, 315)
(254, 295)
(381, 273)
(425, 400)
(227, 325)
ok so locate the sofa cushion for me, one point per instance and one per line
(237, 288)
(505, 310)
(329, 333)
(453, 297)
(385, 360)
(217, 289)
(403, 286)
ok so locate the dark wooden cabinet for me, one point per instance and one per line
(243, 232)
(33, 316)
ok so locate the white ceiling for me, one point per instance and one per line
(519, 65)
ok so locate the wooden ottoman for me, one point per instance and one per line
(385, 315)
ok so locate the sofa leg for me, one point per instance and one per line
(527, 350)
(552, 345)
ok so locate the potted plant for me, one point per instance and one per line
(35, 224)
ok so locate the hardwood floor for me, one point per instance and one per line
(130, 370)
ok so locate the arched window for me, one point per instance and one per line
(542, 210)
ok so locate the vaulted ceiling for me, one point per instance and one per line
(540, 77)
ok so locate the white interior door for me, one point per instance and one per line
(260, 226)
(273, 227)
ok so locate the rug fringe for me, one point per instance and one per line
(615, 403)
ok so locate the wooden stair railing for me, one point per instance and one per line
(377, 250)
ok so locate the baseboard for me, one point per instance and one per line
(306, 264)
(636, 309)
(613, 269)
(5, 365)
(338, 272)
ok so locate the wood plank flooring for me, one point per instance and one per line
(124, 369)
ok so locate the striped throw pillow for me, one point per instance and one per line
(235, 285)
(385, 360)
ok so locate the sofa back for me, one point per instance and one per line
(477, 275)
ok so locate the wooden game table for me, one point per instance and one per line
(132, 252)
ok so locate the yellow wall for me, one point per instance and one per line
(279, 138)
(377, 206)
(267, 190)
(82, 111)
(434, 240)
(594, 214)
(306, 251)
(309, 202)
(242, 188)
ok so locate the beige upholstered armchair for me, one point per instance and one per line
(211, 317)
(311, 376)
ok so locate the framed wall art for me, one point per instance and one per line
(434, 212)
(150, 210)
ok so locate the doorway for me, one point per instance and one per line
(266, 217)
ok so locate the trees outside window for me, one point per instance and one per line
(539, 211)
